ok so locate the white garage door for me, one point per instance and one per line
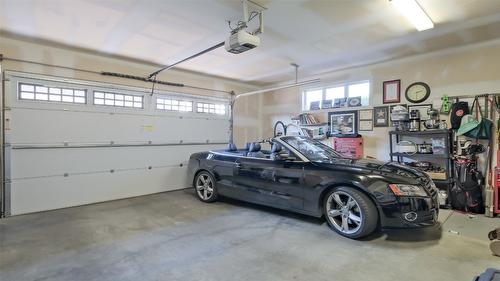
(77, 142)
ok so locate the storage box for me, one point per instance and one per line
(349, 147)
(436, 176)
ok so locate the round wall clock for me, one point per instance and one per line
(417, 92)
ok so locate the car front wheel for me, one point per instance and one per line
(204, 185)
(350, 212)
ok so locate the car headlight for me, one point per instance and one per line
(407, 190)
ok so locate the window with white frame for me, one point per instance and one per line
(51, 94)
(119, 100)
(164, 103)
(333, 93)
(339, 91)
(313, 96)
(359, 90)
(211, 108)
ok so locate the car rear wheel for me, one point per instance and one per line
(204, 185)
(350, 212)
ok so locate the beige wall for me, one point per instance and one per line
(247, 114)
(466, 70)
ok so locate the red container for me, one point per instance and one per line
(349, 147)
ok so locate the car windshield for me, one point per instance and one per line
(312, 149)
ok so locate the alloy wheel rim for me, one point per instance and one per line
(344, 212)
(204, 186)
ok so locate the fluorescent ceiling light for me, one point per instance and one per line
(414, 13)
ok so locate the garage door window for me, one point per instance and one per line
(174, 105)
(210, 108)
(51, 94)
(118, 100)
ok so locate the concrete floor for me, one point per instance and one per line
(173, 236)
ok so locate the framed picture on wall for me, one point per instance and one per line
(391, 91)
(314, 105)
(354, 101)
(343, 122)
(365, 125)
(326, 104)
(381, 116)
(366, 114)
(340, 102)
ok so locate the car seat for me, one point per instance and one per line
(275, 151)
(231, 147)
(254, 151)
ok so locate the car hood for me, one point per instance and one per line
(391, 171)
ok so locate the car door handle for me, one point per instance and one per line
(281, 194)
(285, 180)
(238, 165)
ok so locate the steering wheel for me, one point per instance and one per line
(275, 130)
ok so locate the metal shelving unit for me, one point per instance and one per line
(397, 136)
(420, 156)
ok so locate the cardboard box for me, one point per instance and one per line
(436, 176)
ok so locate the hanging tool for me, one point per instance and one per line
(445, 104)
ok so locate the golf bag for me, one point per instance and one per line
(466, 195)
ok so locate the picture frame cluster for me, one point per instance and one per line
(379, 116)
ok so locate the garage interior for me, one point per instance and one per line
(104, 102)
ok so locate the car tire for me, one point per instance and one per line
(350, 212)
(204, 187)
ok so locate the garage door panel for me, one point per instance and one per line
(34, 162)
(33, 195)
(91, 127)
(196, 130)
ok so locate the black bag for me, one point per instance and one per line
(458, 110)
(474, 196)
(467, 196)
(458, 199)
(467, 201)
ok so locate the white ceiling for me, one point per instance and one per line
(319, 35)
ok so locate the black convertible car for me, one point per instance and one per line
(305, 176)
